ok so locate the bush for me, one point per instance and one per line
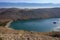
(3, 24)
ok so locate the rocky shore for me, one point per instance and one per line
(7, 33)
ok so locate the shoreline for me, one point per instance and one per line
(8, 24)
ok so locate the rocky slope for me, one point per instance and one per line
(9, 34)
(15, 13)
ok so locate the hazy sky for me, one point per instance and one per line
(32, 1)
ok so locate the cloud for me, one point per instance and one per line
(14, 0)
(32, 1)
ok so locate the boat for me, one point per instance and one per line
(54, 22)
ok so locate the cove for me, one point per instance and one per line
(39, 25)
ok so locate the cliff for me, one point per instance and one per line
(15, 13)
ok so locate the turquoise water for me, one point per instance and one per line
(39, 25)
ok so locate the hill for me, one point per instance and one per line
(15, 13)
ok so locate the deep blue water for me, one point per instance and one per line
(39, 25)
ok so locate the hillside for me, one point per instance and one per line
(9, 34)
(15, 13)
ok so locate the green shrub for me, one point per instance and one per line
(3, 24)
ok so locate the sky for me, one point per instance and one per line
(32, 1)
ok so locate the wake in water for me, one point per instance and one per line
(56, 28)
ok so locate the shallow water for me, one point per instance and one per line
(39, 25)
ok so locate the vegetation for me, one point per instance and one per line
(0, 38)
(3, 23)
(53, 34)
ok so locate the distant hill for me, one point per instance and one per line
(15, 13)
(6, 4)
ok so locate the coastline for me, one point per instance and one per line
(8, 24)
